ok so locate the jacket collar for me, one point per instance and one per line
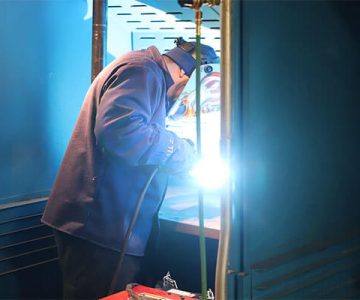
(161, 62)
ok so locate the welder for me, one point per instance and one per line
(119, 138)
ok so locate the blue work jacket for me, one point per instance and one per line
(119, 137)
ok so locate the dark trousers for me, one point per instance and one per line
(88, 269)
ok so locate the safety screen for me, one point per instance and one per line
(138, 24)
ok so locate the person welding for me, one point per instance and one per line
(119, 137)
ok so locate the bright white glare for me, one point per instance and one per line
(89, 11)
(211, 173)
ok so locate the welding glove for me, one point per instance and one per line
(182, 161)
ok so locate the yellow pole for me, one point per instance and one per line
(226, 81)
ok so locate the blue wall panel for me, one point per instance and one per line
(45, 62)
(301, 68)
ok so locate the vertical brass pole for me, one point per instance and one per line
(99, 37)
(226, 80)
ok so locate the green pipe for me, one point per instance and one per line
(199, 154)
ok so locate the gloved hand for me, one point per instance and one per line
(182, 161)
(190, 142)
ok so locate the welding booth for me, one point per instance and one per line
(283, 109)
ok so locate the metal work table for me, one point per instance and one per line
(179, 212)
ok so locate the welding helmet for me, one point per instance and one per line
(182, 55)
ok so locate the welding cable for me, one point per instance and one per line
(129, 231)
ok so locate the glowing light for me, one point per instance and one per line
(89, 10)
(211, 173)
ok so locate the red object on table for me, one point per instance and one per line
(143, 290)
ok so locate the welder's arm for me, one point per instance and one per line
(130, 122)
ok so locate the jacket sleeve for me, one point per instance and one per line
(130, 122)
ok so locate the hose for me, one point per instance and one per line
(129, 231)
